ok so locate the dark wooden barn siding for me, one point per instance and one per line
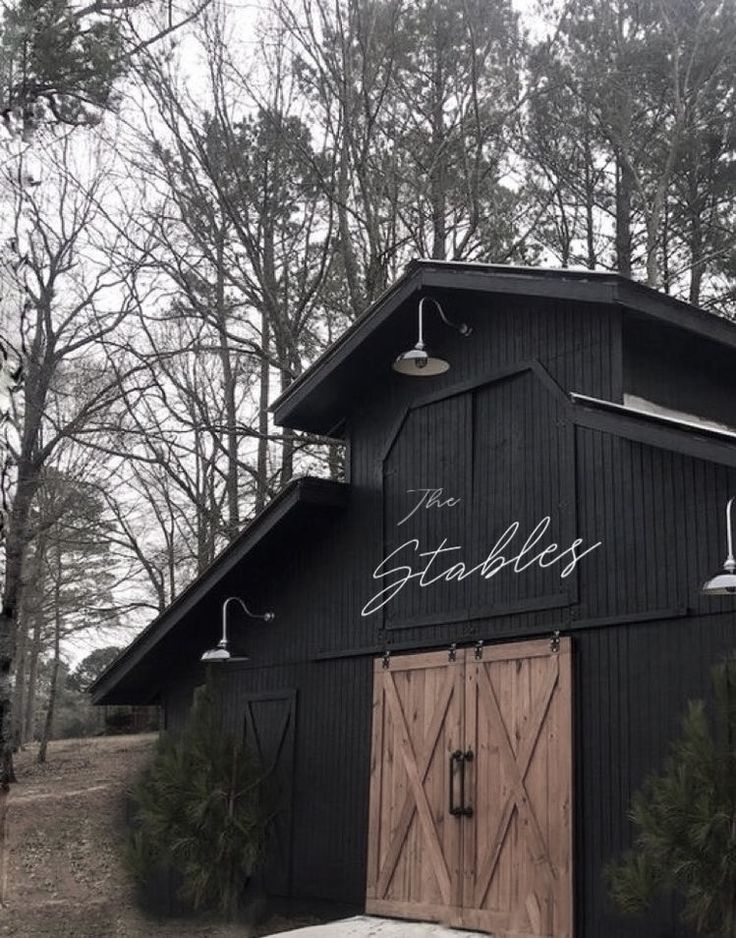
(578, 343)
(269, 728)
(660, 516)
(705, 382)
(329, 793)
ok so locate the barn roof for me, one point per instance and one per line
(319, 400)
(135, 675)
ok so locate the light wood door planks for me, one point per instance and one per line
(496, 732)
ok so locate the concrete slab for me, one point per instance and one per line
(366, 926)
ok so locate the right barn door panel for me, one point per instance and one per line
(517, 869)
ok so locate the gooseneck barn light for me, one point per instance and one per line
(724, 582)
(418, 361)
(221, 652)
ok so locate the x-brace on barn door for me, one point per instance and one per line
(471, 789)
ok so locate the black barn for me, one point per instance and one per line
(568, 474)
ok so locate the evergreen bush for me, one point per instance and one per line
(198, 811)
(685, 820)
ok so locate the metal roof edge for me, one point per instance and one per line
(660, 430)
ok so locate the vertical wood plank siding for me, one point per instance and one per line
(330, 784)
(658, 514)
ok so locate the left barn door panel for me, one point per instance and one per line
(414, 842)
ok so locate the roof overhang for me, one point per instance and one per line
(320, 399)
(136, 674)
(663, 432)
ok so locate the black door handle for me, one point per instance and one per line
(462, 757)
(455, 756)
(465, 810)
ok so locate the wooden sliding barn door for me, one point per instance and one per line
(490, 737)
(517, 853)
(414, 843)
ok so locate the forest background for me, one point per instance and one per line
(196, 200)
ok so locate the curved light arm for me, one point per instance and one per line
(462, 328)
(730, 563)
(266, 616)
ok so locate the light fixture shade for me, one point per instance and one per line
(420, 364)
(218, 653)
(722, 584)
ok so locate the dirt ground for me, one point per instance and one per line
(60, 870)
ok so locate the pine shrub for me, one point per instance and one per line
(198, 811)
(685, 820)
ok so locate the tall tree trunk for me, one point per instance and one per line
(231, 416)
(655, 219)
(20, 677)
(282, 338)
(264, 393)
(347, 252)
(592, 260)
(624, 190)
(171, 559)
(20, 686)
(564, 229)
(202, 508)
(30, 567)
(287, 452)
(38, 375)
(697, 266)
(438, 176)
(29, 717)
(666, 247)
(16, 539)
(49, 721)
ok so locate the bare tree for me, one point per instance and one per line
(70, 308)
(244, 181)
(644, 76)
